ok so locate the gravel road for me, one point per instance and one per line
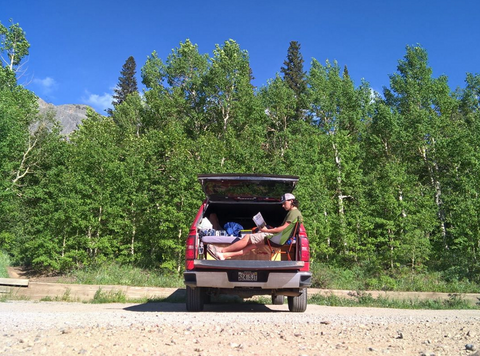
(57, 328)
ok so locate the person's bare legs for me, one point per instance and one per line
(239, 248)
(236, 246)
(224, 255)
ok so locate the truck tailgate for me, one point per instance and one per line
(249, 265)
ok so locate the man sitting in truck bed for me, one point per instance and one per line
(256, 240)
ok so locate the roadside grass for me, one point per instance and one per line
(364, 299)
(105, 297)
(4, 263)
(66, 297)
(323, 277)
(118, 296)
(116, 274)
(8, 296)
(113, 296)
(403, 280)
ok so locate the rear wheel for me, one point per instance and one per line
(298, 304)
(195, 299)
(278, 299)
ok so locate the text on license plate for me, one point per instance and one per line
(247, 276)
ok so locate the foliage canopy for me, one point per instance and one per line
(388, 182)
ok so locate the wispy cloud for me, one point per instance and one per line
(99, 102)
(46, 86)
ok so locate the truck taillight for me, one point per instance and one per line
(304, 250)
(190, 251)
(189, 264)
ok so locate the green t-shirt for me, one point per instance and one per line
(292, 215)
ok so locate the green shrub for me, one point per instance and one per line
(401, 279)
(383, 282)
(113, 296)
(327, 277)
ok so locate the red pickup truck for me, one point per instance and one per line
(278, 272)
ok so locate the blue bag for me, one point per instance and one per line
(233, 229)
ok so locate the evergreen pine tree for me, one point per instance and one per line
(345, 73)
(295, 77)
(127, 83)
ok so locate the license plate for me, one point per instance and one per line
(247, 276)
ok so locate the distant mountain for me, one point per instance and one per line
(70, 116)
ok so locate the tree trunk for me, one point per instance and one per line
(341, 208)
(390, 237)
(329, 242)
(134, 230)
(433, 173)
(179, 256)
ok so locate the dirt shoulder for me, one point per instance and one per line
(34, 276)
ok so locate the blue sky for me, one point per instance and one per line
(78, 47)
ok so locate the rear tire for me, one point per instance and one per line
(298, 304)
(278, 299)
(195, 299)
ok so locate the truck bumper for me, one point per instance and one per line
(220, 279)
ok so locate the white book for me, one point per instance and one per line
(259, 221)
